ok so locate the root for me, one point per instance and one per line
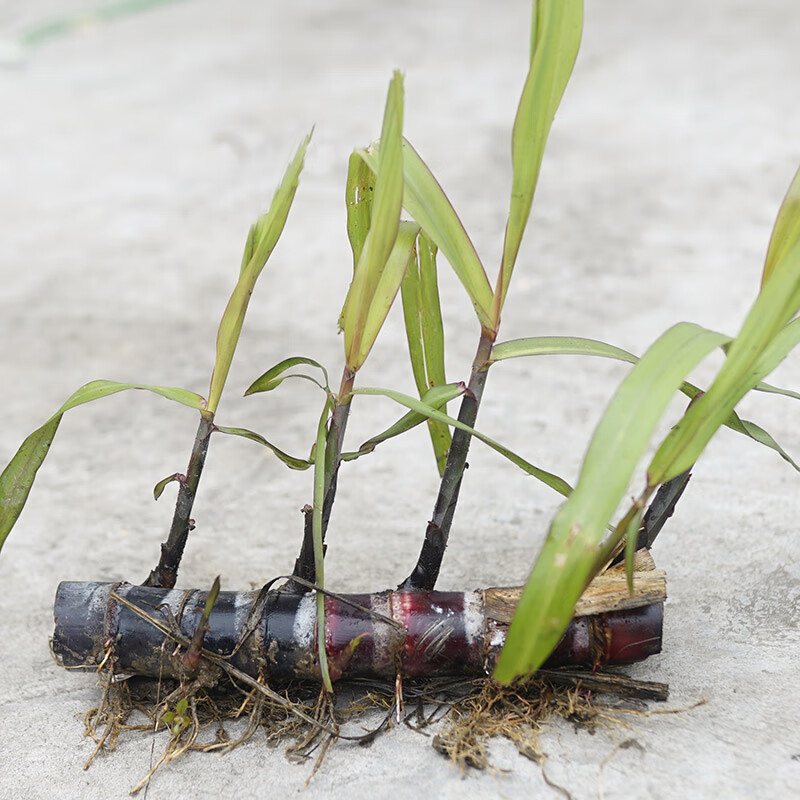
(459, 717)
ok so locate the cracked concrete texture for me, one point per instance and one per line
(133, 157)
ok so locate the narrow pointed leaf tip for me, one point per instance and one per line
(261, 241)
(18, 477)
(570, 555)
(427, 203)
(786, 232)
(387, 246)
(275, 376)
(555, 38)
(291, 461)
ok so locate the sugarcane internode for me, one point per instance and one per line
(272, 634)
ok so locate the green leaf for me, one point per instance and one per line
(758, 434)
(425, 200)
(786, 232)
(431, 312)
(290, 461)
(18, 477)
(321, 480)
(763, 342)
(768, 388)
(569, 557)
(558, 345)
(422, 315)
(436, 398)
(630, 532)
(158, 489)
(412, 319)
(359, 198)
(381, 264)
(548, 478)
(272, 377)
(555, 37)
(94, 390)
(261, 241)
(572, 345)
(210, 600)
(385, 291)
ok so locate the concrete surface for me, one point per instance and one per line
(133, 157)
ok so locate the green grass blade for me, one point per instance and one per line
(768, 388)
(558, 345)
(555, 37)
(433, 342)
(784, 341)
(431, 308)
(290, 461)
(320, 481)
(425, 200)
(572, 345)
(18, 477)
(548, 478)
(436, 398)
(569, 557)
(386, 290)
(358, 315)
(359, 196)
(758, 434)
(274, 376)
(412, 320)
(786, 232)
(764, 340)
(261, 241)
(158, 489)
(630, 531)
(631, 416)
(425, 335)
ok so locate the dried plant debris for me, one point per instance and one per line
(459, 717)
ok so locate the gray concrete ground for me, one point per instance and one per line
(134, 155)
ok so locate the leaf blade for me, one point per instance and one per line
(425, 200)
(357, 321)
(786, 231)
(763, 341)
(291, 461)
(261, 241)
(271, 378)
(548, 478)
(436, 397)
(16, 480)
(570, 553)
(555, 38)
(571, 345)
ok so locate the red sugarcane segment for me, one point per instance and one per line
(272, 634)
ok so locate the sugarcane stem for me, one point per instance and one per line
(166, 572)
(426, 570)
(304, 565)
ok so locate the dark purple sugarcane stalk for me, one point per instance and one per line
(271, 634)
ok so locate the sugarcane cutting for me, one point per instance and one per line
(271, 634)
